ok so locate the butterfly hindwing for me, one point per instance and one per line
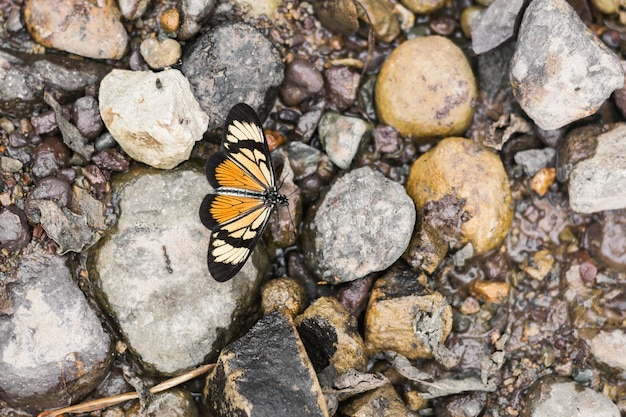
(232, 243)
(245, 193)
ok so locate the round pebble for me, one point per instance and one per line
(170, 20)
(160, 54)
(423, 6)
(93, 30)
(14, 230)
(283, 294)
(474, 177)
(426, 88)
(302, 80)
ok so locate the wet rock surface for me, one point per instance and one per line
(151, 273)
(545, 297)
(264, 371)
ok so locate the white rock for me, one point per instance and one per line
(153, 116)
(610, 348)
(599, 183)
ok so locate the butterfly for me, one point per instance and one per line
(243, 178)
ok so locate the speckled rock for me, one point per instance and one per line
(426, 88)
(14, 229)
(469, 176)
(362, 225)
(153, 116)
(419, 319)
(230, 64)
(93, 30)
(264, 371)
(54, 349)
(194, 12)
(597, 180)
(150, 270)
(495, 25)
(173, 403)
(561, 72)
(609, 347)
(330, 335)
(343, 136)
(259, 8)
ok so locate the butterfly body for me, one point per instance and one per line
(243, 178)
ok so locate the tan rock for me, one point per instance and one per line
(93, 30)
(423, 6)
(403, 315)
(469, 174)
(425, 88)
(383, 401)
(283, 294)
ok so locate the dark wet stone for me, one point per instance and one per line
(302, 80)
(307, 124)
(14, 229)
(49, 157)
(386, 139)
(579, 144)
(341, 87)
(86, 117)
(48, 188)
(111, 159)
(213, 65)
(354, 295)
(265, 370)
(55, 350)
(44, 123)
(61, 75)
(96, 178)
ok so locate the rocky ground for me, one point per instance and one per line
(454, 244)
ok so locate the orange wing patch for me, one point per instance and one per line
(226, 208)
(228, 174)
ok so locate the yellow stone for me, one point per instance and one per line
(426, 88)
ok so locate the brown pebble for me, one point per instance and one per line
(491, 291)
(283, 294)
(543, 180)
(170, 20)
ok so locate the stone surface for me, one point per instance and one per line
(609, 347)
(423, 6)
(342, 137)
(330, 335)
(362, 225)
(93, 30)
(153, 116)
(419, 319)
(533, 160)
(150, 271)
(561, 72)
(160, 54)
(302, 80)
(53, 349)
(425, 88)
(283, 294)
(495, 25)
(462, 175)
(599, 182)
(549, 397)
(264, 371)
(230, 64)
(383, 402)
(14, 229)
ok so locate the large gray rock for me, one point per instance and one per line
(561, 71)
(53, 349)
(150, 272)
(362, 225)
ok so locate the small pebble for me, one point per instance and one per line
(491, 291)
(283, 294)
(160, 54)
(170, 20)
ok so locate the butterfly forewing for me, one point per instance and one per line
(245, 193)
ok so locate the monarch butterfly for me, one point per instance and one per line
(242, 176)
